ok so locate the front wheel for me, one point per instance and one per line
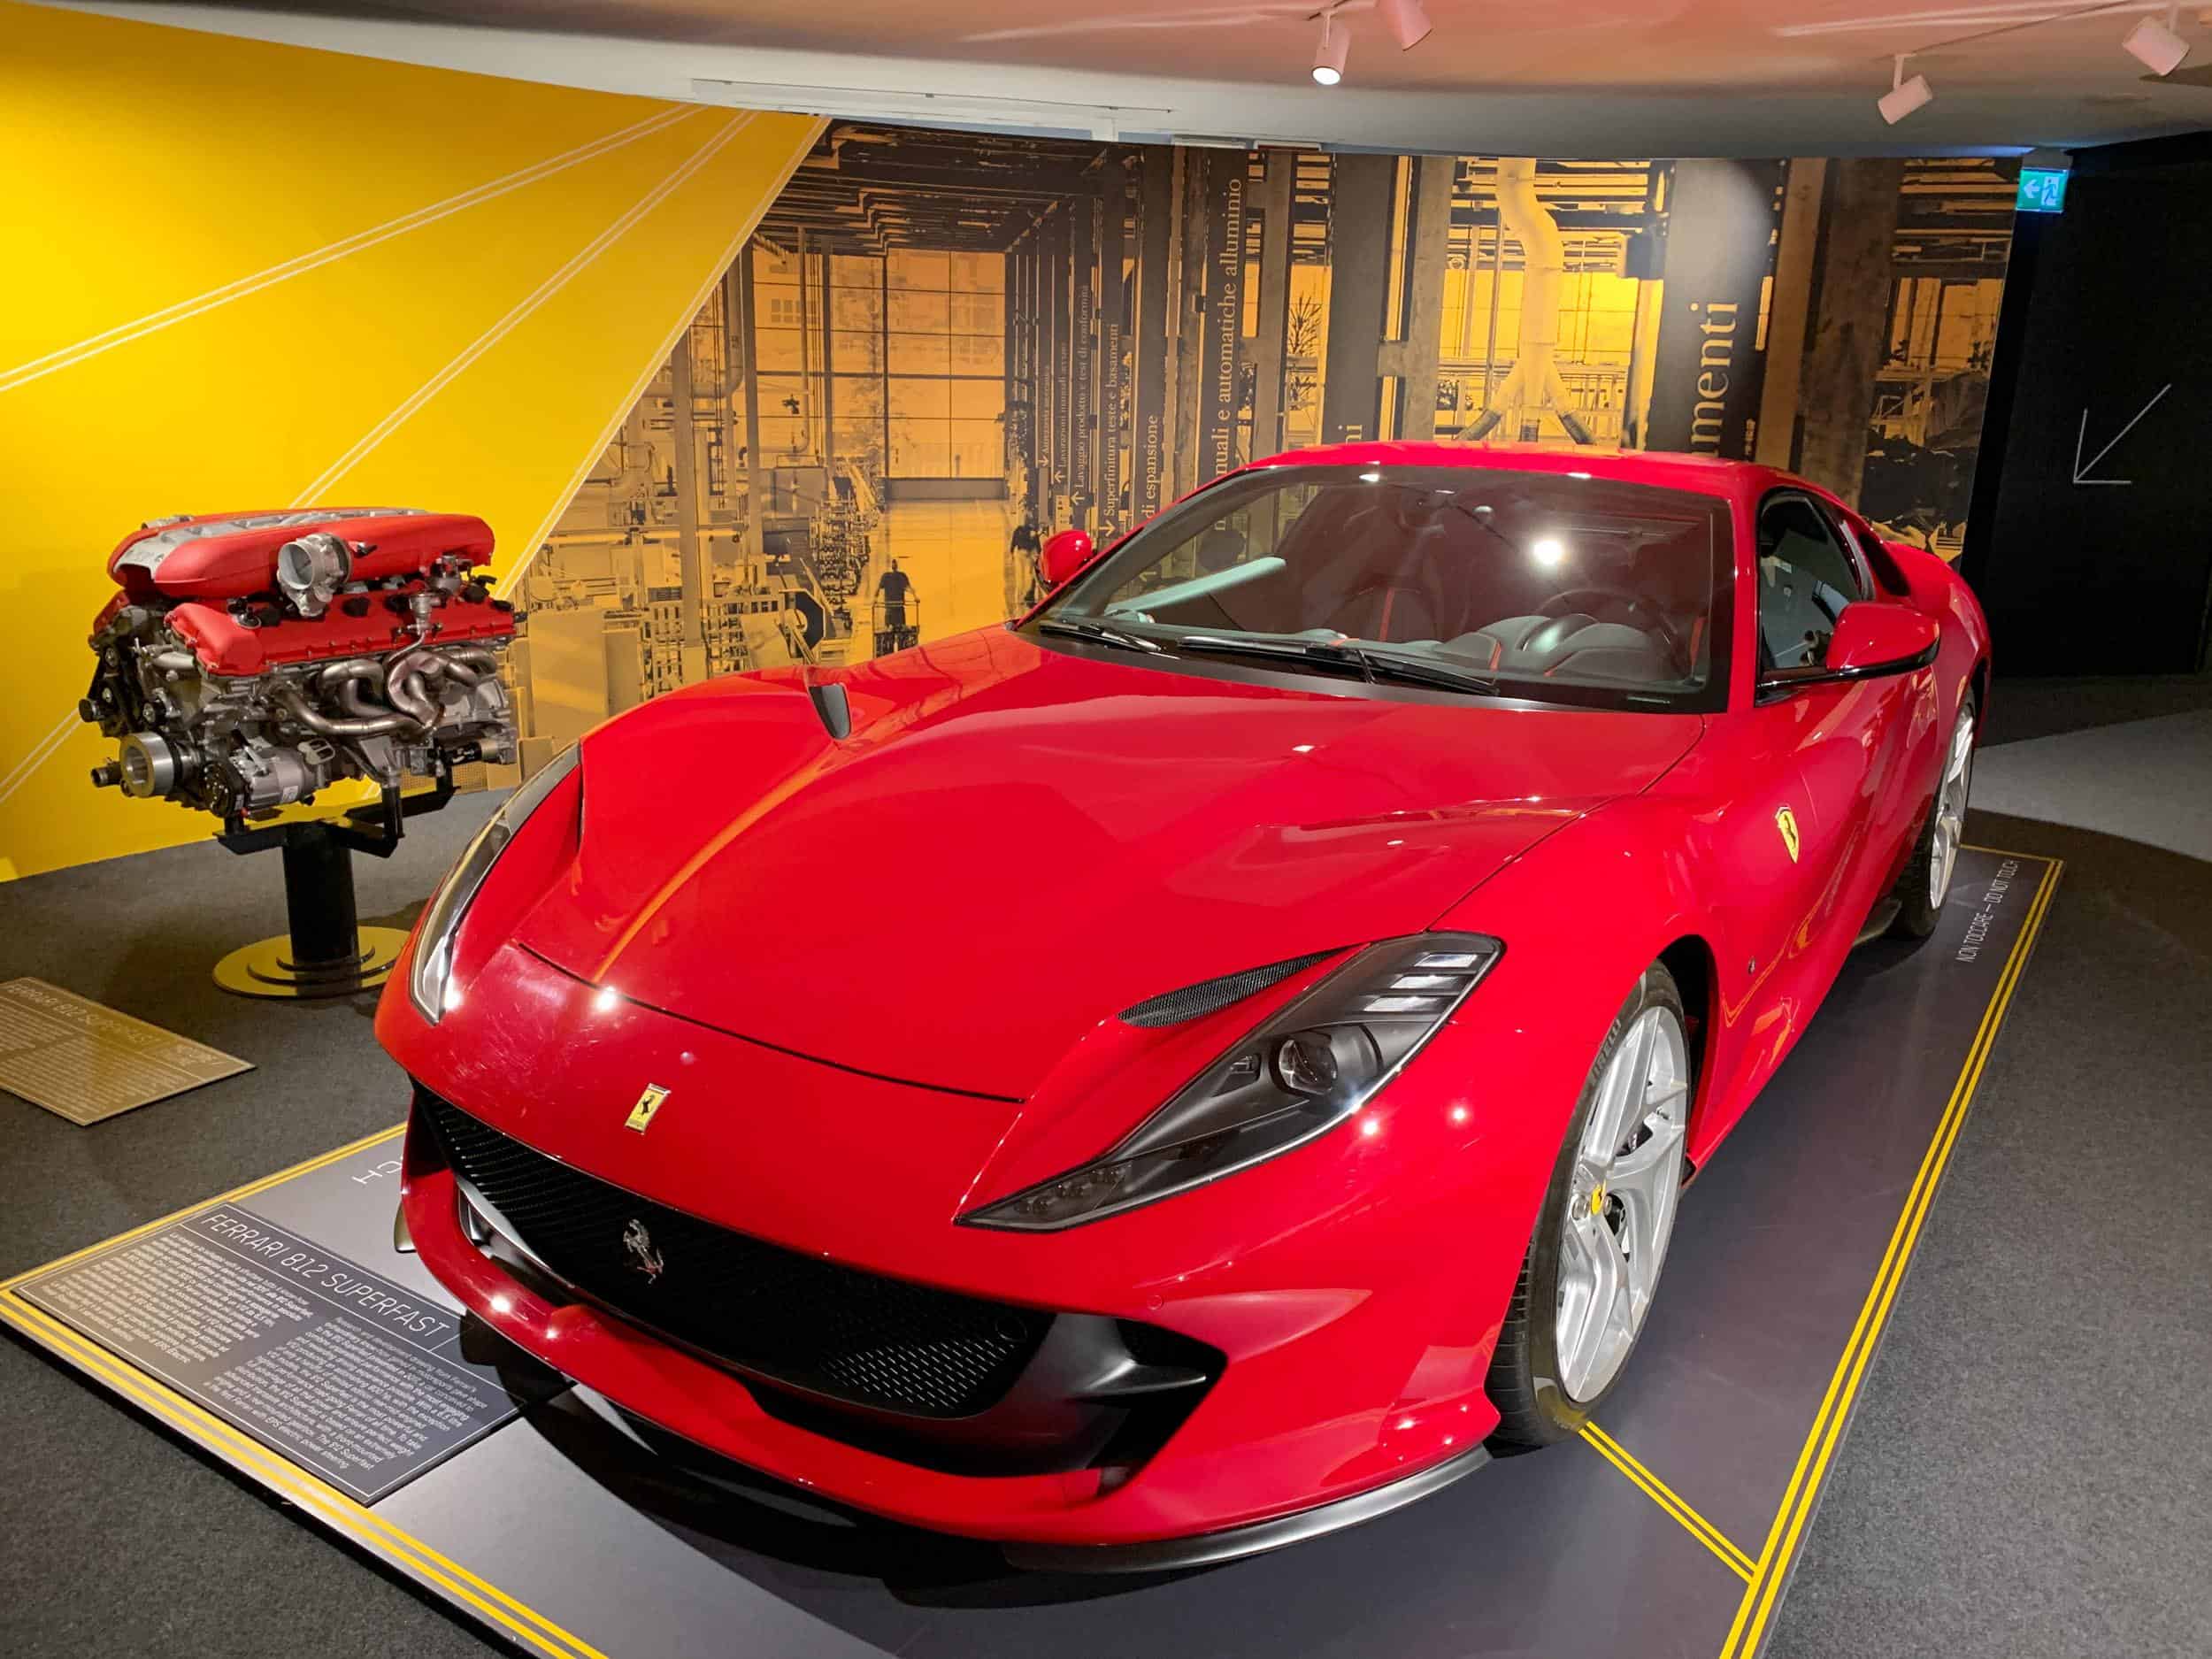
(1926, 881)
(1593, 1262)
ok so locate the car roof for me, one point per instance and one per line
(1708, 475)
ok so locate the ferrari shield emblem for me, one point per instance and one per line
(1785, 820)
(641, 1116)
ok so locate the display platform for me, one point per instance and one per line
(253, 1326)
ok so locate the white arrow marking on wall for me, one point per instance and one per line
(2079, 468)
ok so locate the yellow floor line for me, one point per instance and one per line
(326, 1503)
(330, 1504)
(1771, 1570)
(1661, 1493)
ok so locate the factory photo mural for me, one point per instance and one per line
(1946, 276)
(938, 347)
(737, 388)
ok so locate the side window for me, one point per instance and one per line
(1806, 577)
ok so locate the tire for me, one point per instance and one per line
(1925, 880)
(1538, 1395)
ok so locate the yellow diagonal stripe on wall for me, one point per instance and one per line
(285, 269)
(242, 274)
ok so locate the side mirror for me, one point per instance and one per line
(1064, 555)
(1872, 638)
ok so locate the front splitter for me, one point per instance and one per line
(1210, 1549)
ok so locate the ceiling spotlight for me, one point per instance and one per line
(1904, 96)
(2155, 46)
(1407, 23)
(1336, 46)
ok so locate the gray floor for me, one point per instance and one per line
(2032, 1468)
(118, 1540)
(2143, 780)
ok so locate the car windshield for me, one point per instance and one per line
(1547, 584)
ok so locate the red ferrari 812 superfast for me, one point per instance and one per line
(1217, 1058)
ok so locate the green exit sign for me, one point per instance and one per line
(2042, 190)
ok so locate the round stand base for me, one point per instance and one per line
(266, 969)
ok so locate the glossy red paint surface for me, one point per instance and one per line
(880, 975)
(990, 802)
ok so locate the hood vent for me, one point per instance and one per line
(1210, 996)
(830, 704)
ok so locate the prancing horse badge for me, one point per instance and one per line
(640, 1117)
(643, 1257)
(1785, 820)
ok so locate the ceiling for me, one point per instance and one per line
(1643, 77)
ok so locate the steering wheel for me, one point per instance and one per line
(1646, 617)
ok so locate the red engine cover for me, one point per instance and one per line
(227, 646)
(233, 555)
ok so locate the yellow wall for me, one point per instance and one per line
(233, 276)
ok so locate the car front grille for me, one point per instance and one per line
(793, 1318)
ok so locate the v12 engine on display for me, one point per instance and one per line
(252, 659)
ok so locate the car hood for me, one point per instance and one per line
(1014, 843)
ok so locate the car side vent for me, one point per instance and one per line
(1210, 996)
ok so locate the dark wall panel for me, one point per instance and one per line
(2083, 572)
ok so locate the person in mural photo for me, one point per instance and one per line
(1026, 579)
(893, 589)
(1219, 548)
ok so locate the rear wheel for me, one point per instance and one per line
(1926, 881)
(1593, 1262)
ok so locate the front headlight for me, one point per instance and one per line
(429, 983)
(1308, 1069)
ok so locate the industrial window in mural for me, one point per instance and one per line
(938, 347)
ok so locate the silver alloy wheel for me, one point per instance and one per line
(1950, 809)
(1620, 1206)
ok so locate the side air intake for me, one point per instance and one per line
(1210, 996)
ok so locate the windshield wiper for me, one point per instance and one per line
(1308, 651)
(1099, 633)
(1420, 671)
(1365, 660)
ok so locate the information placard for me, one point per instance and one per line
(85, 1061)
(347, 1374)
